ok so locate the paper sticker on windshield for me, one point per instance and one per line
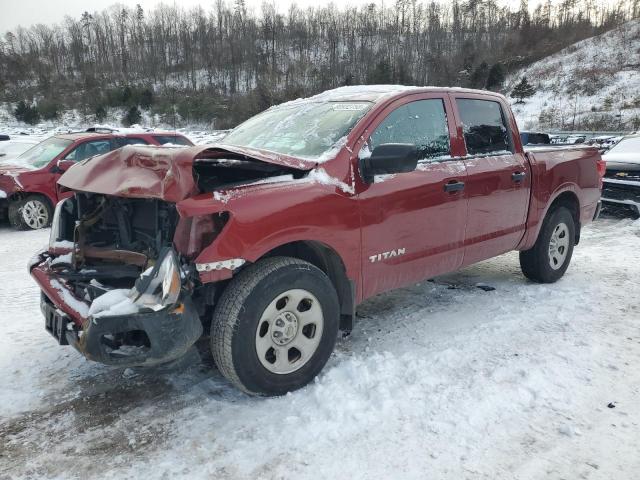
(349, 106)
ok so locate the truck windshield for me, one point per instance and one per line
(302, 129)
(43, 152)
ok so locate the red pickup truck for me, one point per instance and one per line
(269, 240)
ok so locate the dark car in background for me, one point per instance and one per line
(535, 138)
(621, 189)
(28, 191)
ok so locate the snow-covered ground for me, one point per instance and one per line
(441, 380)
(595, 77)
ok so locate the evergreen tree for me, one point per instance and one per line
(27, 113)
(523, 90)
(146, 98)
(495, 79)
(100, 113)
(132, 117)
(382, 73)
(479, 75)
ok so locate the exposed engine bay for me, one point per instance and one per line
(113, 262)
(212, 174)
(114, 239)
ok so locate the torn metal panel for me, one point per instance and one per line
(137, 171)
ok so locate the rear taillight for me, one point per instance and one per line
(602, 169)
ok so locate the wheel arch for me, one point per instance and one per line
(22, 194)
(571, 202)
(329, 261)
(565, 196)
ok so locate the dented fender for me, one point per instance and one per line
(262, 218)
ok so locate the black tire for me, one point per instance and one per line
(16, 214)
(234, 327)
(537, 263)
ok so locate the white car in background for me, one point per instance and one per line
(622, 179)
(15, 146)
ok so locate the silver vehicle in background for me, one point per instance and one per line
(621, 187)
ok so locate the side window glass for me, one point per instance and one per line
(73, 153)
(89, 149)
(122, 141)
(484, 127)
(422, 123)
(172, 140)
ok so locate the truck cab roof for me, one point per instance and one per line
(375, 93)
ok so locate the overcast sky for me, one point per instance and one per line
(29, 12)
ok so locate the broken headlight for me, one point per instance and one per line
(159, 287)
(56, 224)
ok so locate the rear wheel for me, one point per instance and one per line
(549, 258)
(275, 326)
(32, 212)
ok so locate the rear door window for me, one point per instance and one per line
(122, 141)
(172, 139)
(422, 123)
(484, 127)
(89, 149)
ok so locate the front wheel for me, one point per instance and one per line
(33, 212)
(275, 326)
(549, 258)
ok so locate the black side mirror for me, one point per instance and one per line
(389, 158)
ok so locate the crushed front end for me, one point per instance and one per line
(113, 286)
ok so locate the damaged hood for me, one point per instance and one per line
(165, 173)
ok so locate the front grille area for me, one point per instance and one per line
(622, 175)
(618, 191)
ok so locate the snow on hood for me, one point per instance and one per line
(275, 158)
(139, 171)
(622, 157)
(13, 168)
(316, 176)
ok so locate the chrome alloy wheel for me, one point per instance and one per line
(559, 246)
(289, 331)
(35, 214)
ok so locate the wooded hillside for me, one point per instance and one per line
(226, 63)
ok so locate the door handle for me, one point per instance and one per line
(453, 186)
(518, 176)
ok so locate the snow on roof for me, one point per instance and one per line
(133, 129)
(371, 93)
(124, 130)
(353, 93)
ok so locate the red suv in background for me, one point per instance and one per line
(28, 189)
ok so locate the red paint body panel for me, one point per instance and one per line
(399, 211)
(136, 172)
(44, 277)
(263, 217)
(498, 206)
(555, 171)
(437, 230)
